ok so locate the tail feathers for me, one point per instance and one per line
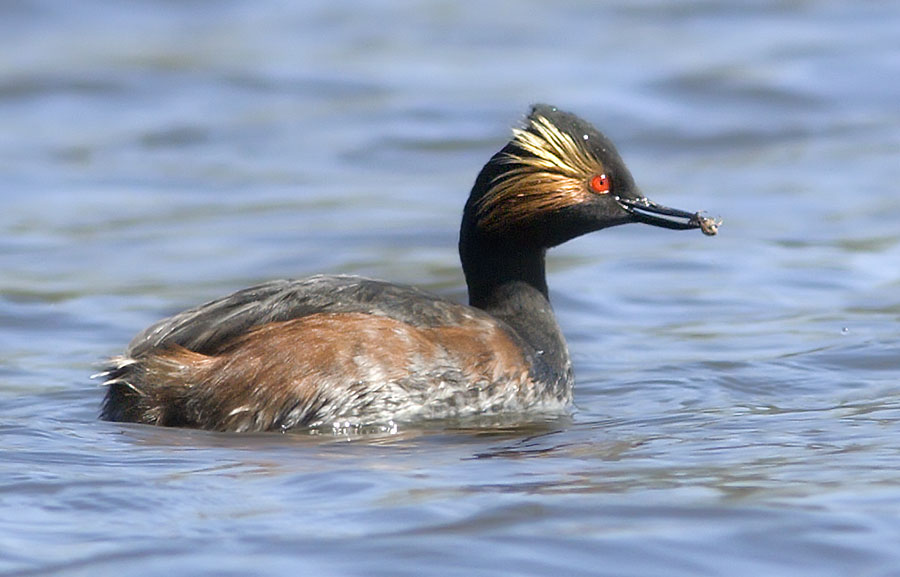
(118, 372)
(148, 390)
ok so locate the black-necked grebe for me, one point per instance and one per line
(343, 351)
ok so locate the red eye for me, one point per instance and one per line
(600, 184)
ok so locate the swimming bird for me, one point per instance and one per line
(331, 352)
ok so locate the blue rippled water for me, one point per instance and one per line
(738, 398)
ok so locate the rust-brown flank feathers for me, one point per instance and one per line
(327, 368)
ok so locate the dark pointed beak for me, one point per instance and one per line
(649, 212)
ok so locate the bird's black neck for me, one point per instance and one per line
(509, 282)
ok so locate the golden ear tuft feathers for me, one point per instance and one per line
(550, 173)
(552, 150)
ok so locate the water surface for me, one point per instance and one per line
(738, 403)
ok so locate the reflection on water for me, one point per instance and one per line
(737, 397)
